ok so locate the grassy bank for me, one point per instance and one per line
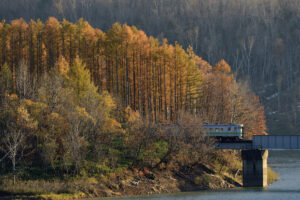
(126, 183)
(272, 176)
(220, 174)
(54, 189)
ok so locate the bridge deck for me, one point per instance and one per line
(235, 145)
(276, 141)
(272, 142)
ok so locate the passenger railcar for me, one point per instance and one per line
(224, 132)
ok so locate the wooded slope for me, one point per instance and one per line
(156, 79)
(258, 38)
(78, 101)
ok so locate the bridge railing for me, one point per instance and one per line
(277, 141)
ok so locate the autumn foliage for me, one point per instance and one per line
(99, 101)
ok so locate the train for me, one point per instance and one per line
(221, 132)
(224, 132)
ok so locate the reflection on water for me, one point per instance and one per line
(286, 163)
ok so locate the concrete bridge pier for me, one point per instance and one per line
(255, 168)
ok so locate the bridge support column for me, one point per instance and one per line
(255, 168)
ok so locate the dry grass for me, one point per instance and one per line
(272, 176)
(36, 187)
(56, 189)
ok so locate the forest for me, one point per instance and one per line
(80, 102)
(258, 38)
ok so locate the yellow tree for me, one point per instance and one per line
(3, 42)
(36, 49)
(17, 40)
(6, 83)
(68, 41)
(16, 125)
(52, 34)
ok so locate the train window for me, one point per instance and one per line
(217, 129)
(229, 128)
(211, 129)
(222, 129)
(235, 128)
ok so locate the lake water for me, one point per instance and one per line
(286, 163)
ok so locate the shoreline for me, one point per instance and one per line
(134, 183)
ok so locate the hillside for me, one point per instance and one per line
(84, 111)
(259, 39)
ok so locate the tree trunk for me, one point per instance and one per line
(14, 165)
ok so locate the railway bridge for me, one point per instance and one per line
(255, 155)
